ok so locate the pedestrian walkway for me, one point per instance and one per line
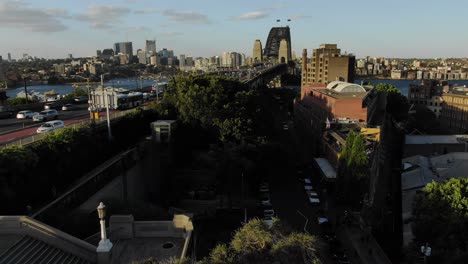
(365, 247)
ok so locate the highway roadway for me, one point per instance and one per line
(9, 125)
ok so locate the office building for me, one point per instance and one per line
(151, 46)
(182, 61)
(98, 53)
(429, 94)
(107, 54)
(327, 64)
(257, 52)
(124, 48)
(70, 56)
(9, 57)
(454, 110)
(189, 61)
(155, 60)
(141, 54)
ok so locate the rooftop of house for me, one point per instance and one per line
(420, 170)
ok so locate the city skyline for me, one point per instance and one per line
(54, 29)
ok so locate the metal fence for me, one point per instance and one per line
(114, 116)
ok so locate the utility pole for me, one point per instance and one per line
(25, 90)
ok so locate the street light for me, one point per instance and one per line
(106, 102)
(104, 245)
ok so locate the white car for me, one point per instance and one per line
(308, 187)
(26, 114)
(46, 115)
(307, 181)
(50, 126)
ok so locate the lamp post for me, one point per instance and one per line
(104, 245)
(106, 102)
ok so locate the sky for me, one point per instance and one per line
(376, 28)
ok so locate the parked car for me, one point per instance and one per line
(265, 200)
(52, 105)
(26, 114)
(308, 187)
(46, 115)
(69, 107)
(6, 113)
(50, 126)
(268, 219)
(268, 212)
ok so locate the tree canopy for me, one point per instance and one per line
(440, 218)
(214, 102)
(353, 169)
(384, 87)
(255, 242)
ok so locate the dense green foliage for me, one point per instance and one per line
(397, 104)
(353, 170)
(219, 104)
(383, 87)
(76, 92)
(440, 217)
(255, 242)
(19, 101)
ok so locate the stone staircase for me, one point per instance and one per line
(29, 250)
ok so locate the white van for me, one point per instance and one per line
(50, 126)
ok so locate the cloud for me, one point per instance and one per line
(18, 15)
(253, 15)
(185, 16)
(138, 29)
(104, 17)
(171, 34)
(146, 11)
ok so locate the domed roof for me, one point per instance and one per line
(344, 87)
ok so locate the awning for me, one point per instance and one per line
(326, 168)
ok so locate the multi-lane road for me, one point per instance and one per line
(12, 129)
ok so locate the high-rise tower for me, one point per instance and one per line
(327, 64)
(257, 52)
(124, 48)
(151, 46)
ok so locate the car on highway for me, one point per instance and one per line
(46, 115)
(6, 113)
(52, 105)
(69, 107)
(50, 126)
(81, 99)
(24, 114)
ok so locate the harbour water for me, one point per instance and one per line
(132, 84)
(403, 85)
(129, 84)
